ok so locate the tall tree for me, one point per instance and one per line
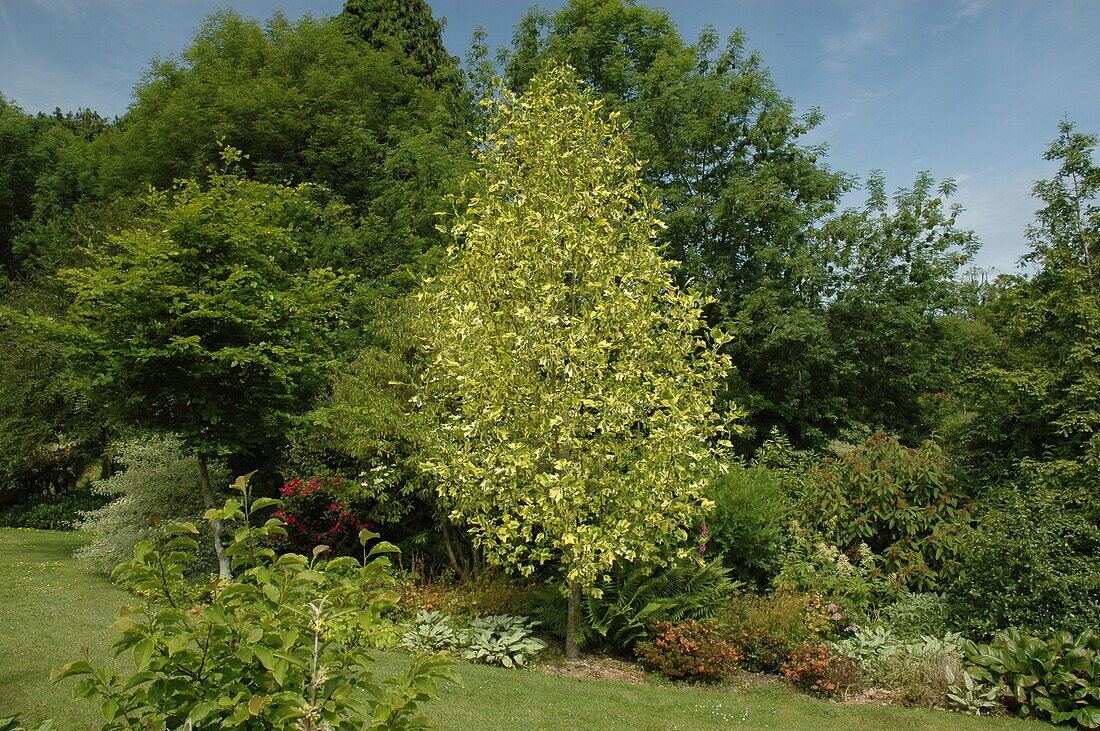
(740, 193)
(17, 175)
(206, 320)
(1034, 431)
(409, 26)
(43, 173)
(896, 285)
(576, 386)
(308, 101)
(722, 145)
(1041, 399)
(750, 208)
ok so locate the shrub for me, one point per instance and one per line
(12, 723)
(746, 523)
(636, 596)
(322, 511)
(257, 655)
(814, 566)
(972, 696)
(689, 651)
(502, 640)
(1034, 562)
(158, 481)
(498, 640)
(51, 512)
(821, 670)
(914, 615)
(903, 503)
(1056, 678)
(766, 629)
(488, 595)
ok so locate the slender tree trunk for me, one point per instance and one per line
(208, 500)
(476, 564)
(463, 574)
(572, 652)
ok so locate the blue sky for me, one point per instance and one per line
(970, 89)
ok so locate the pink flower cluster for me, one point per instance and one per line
(313, 515)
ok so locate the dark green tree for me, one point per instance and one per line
(308, 102)
(18, 172)
(207, 319)
(898, 262)
(1034, 433)
(408, 26)
(751, 213)
(42, 175)
(1040, 399)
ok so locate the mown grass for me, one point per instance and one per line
(50, 609)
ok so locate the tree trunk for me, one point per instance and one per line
(572, 652)
(463, 574)
(208, 500)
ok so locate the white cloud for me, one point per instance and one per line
(872, 26)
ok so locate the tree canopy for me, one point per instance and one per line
(206, 319)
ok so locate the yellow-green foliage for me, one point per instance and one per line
(574, 382)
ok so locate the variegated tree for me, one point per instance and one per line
(575, 382)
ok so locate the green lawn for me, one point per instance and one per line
(50, 609)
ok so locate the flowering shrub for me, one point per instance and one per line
(820, 670)
(691, 651)
(321, 511)
(903, 503)
(817, 566)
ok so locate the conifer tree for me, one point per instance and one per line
(409, 25)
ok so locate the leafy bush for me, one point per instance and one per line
(1056, 678)
(689, 651)
(431, 632)
(12, 723)
(820, 670)
(51, 512)
(971, 696)
(502, 640)
(257, 655)
(321, 511)
(914, 615)
(901, 502)
(637, 596)
(499, 640)
(814, 566)
(869, 644)
(1034, 561)
(766, 629)
(746, 524)
(159, 481)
